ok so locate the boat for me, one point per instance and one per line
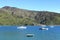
(22, 27)
(43, 28)
(30, 35)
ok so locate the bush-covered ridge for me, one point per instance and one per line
(16, 16)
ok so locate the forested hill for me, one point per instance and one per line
(16, 16)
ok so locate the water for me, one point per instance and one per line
(12, 33)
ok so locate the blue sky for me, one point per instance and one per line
(41, 5)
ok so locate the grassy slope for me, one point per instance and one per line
(9, 19)
(28, 17)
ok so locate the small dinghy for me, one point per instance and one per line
(30, 35)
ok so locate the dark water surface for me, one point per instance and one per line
(12, 33)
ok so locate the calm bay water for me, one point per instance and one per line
(12, 33)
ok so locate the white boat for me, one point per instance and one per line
(43, 28)
(22, 27)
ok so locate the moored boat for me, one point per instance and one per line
(43, 28)
(30, 35)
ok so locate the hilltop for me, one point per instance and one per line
(15, 16)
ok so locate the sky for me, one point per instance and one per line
(38, 5)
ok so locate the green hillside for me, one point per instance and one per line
(16, 16)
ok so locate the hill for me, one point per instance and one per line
(15, 16)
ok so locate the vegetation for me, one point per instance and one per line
(16, 16)
(8, 19)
